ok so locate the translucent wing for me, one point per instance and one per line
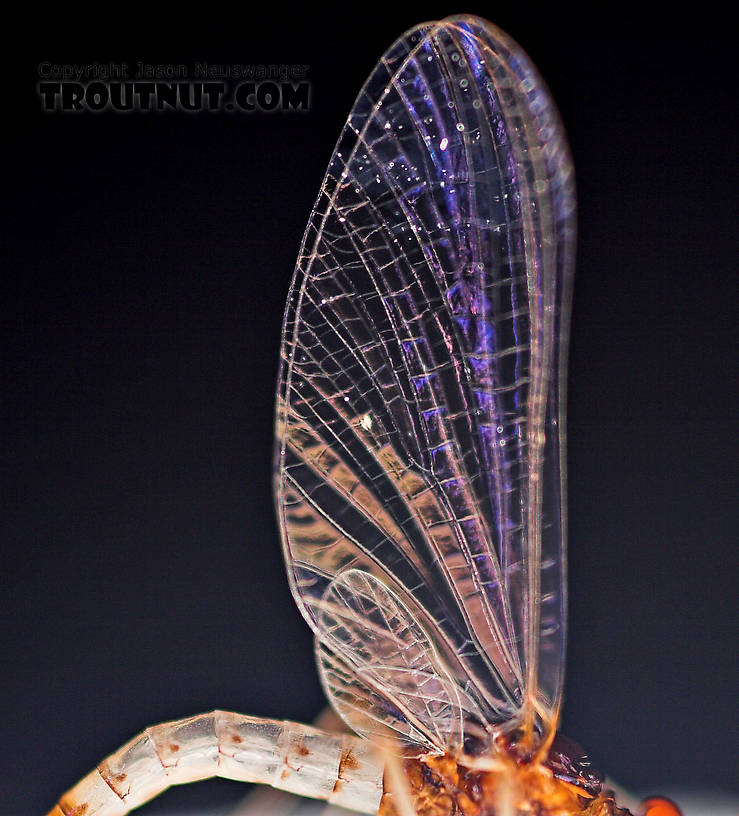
(375, 659)
(420, 417)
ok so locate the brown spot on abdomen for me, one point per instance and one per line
(347, 762)
(70, 809)
(115, 781)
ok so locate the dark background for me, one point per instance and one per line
(148, 261)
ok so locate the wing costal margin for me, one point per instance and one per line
(421, 401)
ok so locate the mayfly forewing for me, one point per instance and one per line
(420, 414)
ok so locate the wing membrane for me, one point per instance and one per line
(420, 414)
(374, 656)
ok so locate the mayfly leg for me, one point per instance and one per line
(338, 768)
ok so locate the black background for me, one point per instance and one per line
(148, 263)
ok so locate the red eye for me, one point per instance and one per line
(657, 806)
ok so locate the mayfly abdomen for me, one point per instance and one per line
(340, 769)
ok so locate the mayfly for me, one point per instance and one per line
(420, 461)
